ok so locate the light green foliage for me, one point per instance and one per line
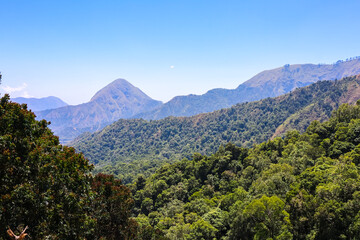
(201, 230)
(274, 181)
(268, 217)
(302, 186)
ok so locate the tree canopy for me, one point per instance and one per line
(302, 186)
(49, 187)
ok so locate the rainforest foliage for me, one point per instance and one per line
(48, 186)
(302, 186)
(129, 147)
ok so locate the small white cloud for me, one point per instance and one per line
(25, 94)
(172, 66)
(17, 91)
(10, 90)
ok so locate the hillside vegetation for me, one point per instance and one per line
(49, 188)
(303, 186)
(129, 147)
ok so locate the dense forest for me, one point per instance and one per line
(129, 147)
(302, 186)
(49, 188)
(298, 186)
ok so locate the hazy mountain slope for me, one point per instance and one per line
(117, 100)
(243, 124)
(270, 83)
(39, 104)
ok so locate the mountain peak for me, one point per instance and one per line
(119, 99)
(119, 87)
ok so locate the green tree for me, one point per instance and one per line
(42, 184)
(201, 230)
(111, 207)
(266, 218)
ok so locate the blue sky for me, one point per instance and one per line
(71, 49)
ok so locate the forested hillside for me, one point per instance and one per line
(134, 146)
(303, 186)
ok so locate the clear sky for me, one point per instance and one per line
(71, 49)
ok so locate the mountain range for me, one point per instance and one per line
(117, 100)
(40, 104)
(137, 140)
(120, 99)
(269, 83)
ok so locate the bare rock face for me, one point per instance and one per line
(117, 100)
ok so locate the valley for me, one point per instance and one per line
(180, 120)
(131, 147)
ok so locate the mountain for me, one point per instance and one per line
(270, 83)
(39, 104)
(117, 100)
(137, 145)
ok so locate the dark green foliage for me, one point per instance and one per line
(48, 187)
(112, 208)
(42, 184)
(129, 147)
(302, 186)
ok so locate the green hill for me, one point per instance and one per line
(137, 146)
(302, 186)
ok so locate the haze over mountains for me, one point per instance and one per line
(40, 104)
(269, 83)
(117, 100)
(120, 99)
(174, 138)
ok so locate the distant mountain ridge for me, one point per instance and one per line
(269, 83)
(136, 140)
(119, 99)
(40, 104)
